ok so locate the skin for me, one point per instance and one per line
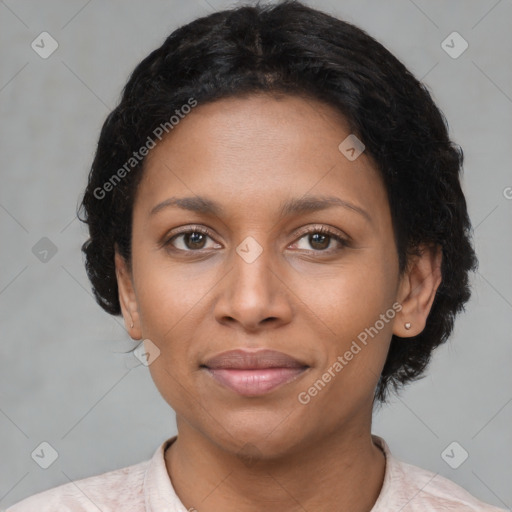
(270, 452)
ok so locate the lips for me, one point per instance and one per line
(253, 373)
(247, 360)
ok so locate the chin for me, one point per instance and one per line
(267, 435)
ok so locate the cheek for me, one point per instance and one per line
(347, 307)
(352, 295)
(168, 295)
(169, 305)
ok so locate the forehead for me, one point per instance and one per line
(252, 146)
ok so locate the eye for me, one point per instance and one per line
(190, 239)
(321, 239)
(194, 239)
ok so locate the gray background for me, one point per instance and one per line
(64, 378)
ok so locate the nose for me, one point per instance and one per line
(253, 295)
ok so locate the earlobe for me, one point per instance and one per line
(127, 298)
(417, 291)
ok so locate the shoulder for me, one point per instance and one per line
(414, 489)
(431, 491)
(121, 489)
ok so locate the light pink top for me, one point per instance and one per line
(146, 487)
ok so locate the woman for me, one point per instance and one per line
(275, 209)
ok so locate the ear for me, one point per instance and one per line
(417, 290)
(127, 298)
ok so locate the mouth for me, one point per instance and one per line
(253, 373)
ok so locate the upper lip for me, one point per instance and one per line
(249, 360)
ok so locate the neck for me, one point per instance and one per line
(343, 471)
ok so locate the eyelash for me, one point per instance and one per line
(311, 230)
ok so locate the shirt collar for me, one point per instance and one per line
(159, 494)
(384, 500)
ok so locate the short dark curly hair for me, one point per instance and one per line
(293, 49)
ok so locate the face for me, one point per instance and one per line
(244, 269)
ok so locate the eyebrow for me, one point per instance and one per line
(200, 204)
(316, 203)
(194, 204)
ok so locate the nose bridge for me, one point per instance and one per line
(252, 292)
(253, 268)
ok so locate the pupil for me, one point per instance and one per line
(195, 238)
(314, 240)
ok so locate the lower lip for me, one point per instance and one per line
(254, 382)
